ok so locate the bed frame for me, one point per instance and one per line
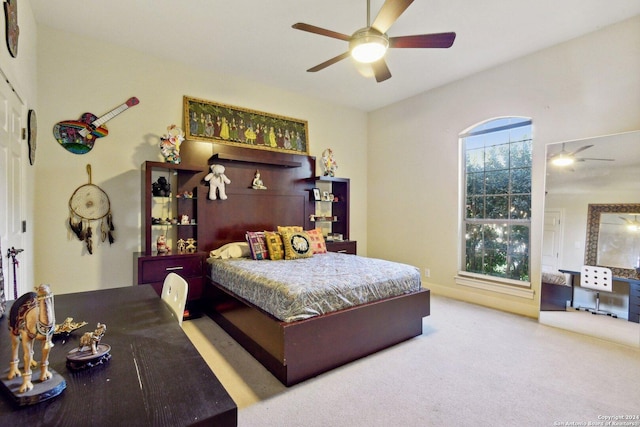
(294, 351)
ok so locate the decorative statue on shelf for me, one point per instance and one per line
(257, 182)
(32, 317)
(161, 245)
(170, 144)
(329, 164)
(161, 188)
(182, 246)
(92, 339)
(191, 246)
(217, 179)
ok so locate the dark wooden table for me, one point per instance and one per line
(155, 377)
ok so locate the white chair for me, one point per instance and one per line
(597, 279)
(174, 294)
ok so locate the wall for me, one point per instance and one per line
(585, 87)
(77, 75)
(21, 74)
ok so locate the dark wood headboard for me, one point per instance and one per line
(286, 201)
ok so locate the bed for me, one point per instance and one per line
(337, 308)
(556, 290)
(305, 345)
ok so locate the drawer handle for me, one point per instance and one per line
(342, 251)
(174, 268)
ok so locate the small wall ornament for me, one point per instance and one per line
(170, 144)
(89, 204)
(329, 164)
(257, 183)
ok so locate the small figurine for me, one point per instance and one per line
(68, 326)
(92, 339)
(31, 318)
(184, 220)
(170, 144)
(161, 245)
(90, 352)
(191, 246)
(257, 182)
(182, 246)
(328, 163)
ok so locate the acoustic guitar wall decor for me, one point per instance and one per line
(78, 136)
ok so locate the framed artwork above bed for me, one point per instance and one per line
(227, 124)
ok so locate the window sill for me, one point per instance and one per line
(487, 285)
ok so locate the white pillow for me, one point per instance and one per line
(232, 250)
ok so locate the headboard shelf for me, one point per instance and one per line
(247, 158)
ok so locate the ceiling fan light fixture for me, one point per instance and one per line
(368, 45)
(562, 160)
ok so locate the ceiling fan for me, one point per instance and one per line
(566, 158)
(369, 44)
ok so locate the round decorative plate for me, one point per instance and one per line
(32, 124)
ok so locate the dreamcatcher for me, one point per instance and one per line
(90, 203)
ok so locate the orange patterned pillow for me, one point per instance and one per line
(274, 245)
(318, 246)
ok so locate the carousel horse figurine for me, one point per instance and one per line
(32, 318)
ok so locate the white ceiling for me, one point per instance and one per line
(254, 38)
(589, 176)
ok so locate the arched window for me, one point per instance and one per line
(496, 211)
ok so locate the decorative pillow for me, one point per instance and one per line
(296, 245)
(291, 228)
(231, 250)
(257, 245)
(318, 246)
(274, 245)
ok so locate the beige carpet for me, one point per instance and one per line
(472, 366)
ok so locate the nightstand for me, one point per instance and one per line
(152, 270)
(344, 247)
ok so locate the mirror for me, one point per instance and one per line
(588, 199)
(613, 238)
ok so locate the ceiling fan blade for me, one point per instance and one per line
(580, 149)
(437, 40)
(331, 61)
(389, 13)
(582, 159)
(380, 70)
(323, 32)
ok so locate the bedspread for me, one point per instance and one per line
(303, 288)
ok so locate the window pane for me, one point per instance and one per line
(497, 157)
(521, 180)
(520, 154)
(497, 182)
(475, 207)
(520, 207)
(497, 207)
(475, 183)
(475, 160)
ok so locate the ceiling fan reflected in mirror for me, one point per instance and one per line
(369, 44)
(566, 158)
(632, 225)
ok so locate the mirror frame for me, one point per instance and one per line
(593, 230)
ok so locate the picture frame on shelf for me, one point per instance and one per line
(316, 194)
(231, 125)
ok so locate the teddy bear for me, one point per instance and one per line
(161, 188)
(217, 179)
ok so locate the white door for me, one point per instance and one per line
(12, 198)
(552, 240)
